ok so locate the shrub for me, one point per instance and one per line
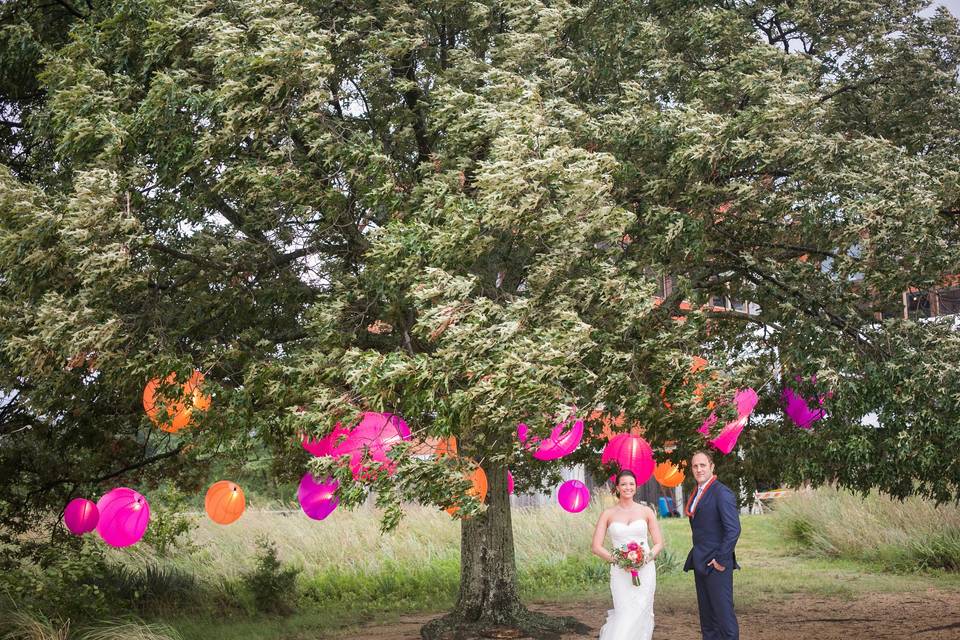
(274, 588)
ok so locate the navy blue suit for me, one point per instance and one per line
(716, 527)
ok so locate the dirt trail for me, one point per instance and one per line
(927, 615)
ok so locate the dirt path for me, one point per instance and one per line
(928, 615)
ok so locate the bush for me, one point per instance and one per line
(67, 582)
(273, 587)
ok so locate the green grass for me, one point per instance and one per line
(351, 575)
(893, 535)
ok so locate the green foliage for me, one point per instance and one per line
(273, 586)
(169, 527)
(67, 583)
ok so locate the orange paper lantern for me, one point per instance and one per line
(224, 502)
(446, 447)
(668, 474)
(173, 414)
(479, 489)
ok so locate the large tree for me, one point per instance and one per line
(464, 213)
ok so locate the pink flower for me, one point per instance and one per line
(633, 546)
(632, 556)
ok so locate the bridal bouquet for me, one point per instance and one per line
(630, 558)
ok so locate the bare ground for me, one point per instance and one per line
(923, 615)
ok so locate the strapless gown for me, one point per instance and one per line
(632, 615)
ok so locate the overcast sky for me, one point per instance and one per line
(953, 5)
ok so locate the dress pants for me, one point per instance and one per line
(715, 600)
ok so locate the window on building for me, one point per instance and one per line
(949, 301)
(918, 304)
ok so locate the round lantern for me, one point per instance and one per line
(630, 452)
(561, 441)
(323, 446)
(81, 516)
(668, 475)
(317, 499)
(124, 515)
(446, 448)
(573, 496)
(225, 502)
(172, 414)
(376, 434)
(478, 489)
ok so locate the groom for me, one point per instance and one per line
(712, 510)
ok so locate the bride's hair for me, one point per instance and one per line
(616, 483)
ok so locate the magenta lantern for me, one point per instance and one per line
(630, 452)
(124, 515)
(323, 446)
(376, 434)
(509, 482)
(81, 516)
(798, 409)
(745, 400)
(317, 499)
(560, 442)
(573, 496)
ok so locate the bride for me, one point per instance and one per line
(632, 615)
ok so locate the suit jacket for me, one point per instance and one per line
(716, 527)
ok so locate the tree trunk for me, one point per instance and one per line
(488, 605)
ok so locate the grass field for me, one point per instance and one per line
(823, 544)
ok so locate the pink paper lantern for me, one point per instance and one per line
(124, 515)
(317, 499)
(798, 409)
(323, 446)
(744, 400)
(376, 434)
(509, 482)
(562, 440)
(630, 452)
(573, 496)
(81, 516)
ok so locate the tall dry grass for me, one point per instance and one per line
(898, 535)
(351, 541)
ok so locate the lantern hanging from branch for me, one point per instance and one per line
(224, 502)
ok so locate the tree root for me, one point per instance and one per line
(520, 624)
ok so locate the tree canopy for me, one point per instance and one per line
(464, 213)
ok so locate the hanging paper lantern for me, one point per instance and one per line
(798, 408)
(630, 452)
(317, 499)
(81, 516)
(744, 400)
(562, 441)
(509, 482)
(376, 434)
(478, 489)
(172, 414)
(668, 475)
(124, 515)
(323, 446)
(446, 448)
(225, 502)
(573, 496)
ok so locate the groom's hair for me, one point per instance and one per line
(702, 452)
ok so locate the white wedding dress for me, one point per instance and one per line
(632, 615)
